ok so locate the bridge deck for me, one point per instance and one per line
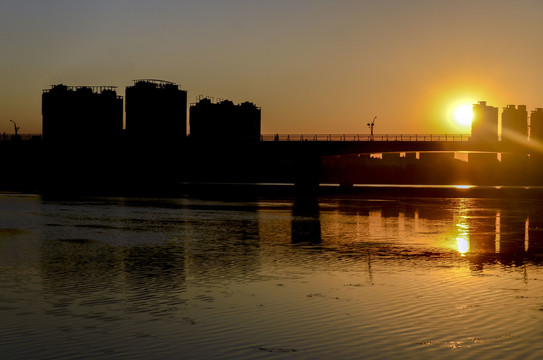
(364, 137)
(323, 148)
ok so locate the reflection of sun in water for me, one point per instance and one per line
(463, 115)
(462, 228)
(463, 245)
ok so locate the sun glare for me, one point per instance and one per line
(463, 115)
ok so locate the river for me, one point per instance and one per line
(265, 278)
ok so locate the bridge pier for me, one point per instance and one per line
(307, 176)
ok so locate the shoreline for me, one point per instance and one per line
(231, 191)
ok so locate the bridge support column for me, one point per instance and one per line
(307, 176)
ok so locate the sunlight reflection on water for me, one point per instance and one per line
(389, 278)
(463, 245)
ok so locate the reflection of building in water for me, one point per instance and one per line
(515, 123)
(156, 107)
(486, 231)
(375, 222)
(512, 231)
(498, 231)
(74, 266)
(436, 212)
(228, 246)
(527, 234)
(149, 277)
(155, 270)
(410, 211)
(482, 231)
(399, 220)
(484, 126)
(534, 236)
(275, 225)
(509, 232)
(82, 113)
(390, 212)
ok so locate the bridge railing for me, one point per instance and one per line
(364, 137)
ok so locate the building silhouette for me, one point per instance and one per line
(224, 121)
(484, 126)
(156, 111)
(536, 125)
(81, 114)
(515, 123)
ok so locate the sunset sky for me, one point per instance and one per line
(314, 66)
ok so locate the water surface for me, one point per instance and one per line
(187, 278)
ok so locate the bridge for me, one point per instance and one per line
(364, 137)
(297, 158)
(341, 144)
(293, 158)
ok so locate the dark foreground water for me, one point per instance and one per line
(198, 279)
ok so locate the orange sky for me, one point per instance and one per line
(314, 66)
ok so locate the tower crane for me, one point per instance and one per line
(370, 125)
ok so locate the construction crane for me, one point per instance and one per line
(370, 125)
(15, 127)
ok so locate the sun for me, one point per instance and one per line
(463, 115)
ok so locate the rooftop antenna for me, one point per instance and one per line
(15, 127)
(370, 125)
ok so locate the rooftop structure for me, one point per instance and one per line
(93, 88)
(156, 82)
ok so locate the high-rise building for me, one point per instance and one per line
(224, 121)
(484, 126)
(81, 114)
(515, 123)
(156, 111)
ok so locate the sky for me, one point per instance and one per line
(313, 66)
